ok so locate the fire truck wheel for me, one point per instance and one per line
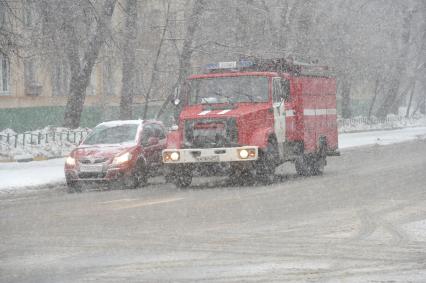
(302, 165)
(241, 177)
(318, 164)
(182, 181)
(181, 177)
(265, 166)
(310, 165)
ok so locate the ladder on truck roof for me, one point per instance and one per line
(283, 65)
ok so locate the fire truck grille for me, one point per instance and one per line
(210, 133)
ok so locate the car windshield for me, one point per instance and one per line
(228, 90)
(116, 134)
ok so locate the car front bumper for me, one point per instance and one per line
(107, 174)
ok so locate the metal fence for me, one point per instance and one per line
(40, 138)
(373, 123)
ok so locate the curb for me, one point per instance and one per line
(36, 158)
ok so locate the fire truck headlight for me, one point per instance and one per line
(247, 153)
(243, 153)
(174, 156)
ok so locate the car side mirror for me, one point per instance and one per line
(153, 141)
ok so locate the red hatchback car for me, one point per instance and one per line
(117, 152)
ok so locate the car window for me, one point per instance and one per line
(159, 131)
(147, 132)
(117, 134)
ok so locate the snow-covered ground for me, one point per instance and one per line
(17, 176)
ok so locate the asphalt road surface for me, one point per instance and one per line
(364, 220)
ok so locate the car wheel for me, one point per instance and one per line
(73, 187)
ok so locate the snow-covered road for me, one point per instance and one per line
(14, 176)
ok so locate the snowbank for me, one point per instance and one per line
(16, 176)
(45, 143)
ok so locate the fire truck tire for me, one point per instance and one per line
(241, 177)
(310, 165)
(181, 177)
(265, 166)
(182, 181)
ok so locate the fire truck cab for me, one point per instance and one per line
(251, 116)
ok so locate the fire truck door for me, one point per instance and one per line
(279, 113)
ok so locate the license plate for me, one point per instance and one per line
(91, 168)
(213, 158)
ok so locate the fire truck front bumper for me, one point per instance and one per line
(210, 155)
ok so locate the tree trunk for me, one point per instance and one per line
(410, 100)
(128, 70)
(186, 54)
(346, 99)
(155, 65)
(373, 101)
(81, 70)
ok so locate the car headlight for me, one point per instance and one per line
(70, 161)
(122, 158)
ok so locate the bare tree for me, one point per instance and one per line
(82, 60)
(184, 68)
(129, 56)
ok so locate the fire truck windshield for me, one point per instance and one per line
(228, 90)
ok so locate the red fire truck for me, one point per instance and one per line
(251, 116)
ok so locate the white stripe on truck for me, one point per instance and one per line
(317, 112)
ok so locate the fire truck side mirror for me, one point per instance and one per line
(285, 90)
(176, 96)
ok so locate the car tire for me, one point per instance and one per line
(73, 187)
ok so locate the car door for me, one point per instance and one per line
(160, 133)
(149, 149)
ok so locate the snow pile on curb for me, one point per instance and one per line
(46, 143)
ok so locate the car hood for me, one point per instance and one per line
(96, 152)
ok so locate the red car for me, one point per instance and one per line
(124, 153)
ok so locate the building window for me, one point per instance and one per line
(108, 78)
(60, 78)
(29, 72)
(4, 74)
(91, 88)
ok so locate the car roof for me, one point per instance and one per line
(128, 122)
(121, 122)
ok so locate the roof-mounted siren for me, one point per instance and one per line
(228, 66)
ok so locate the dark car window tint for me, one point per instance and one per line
(159, 131)
(148, 132)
